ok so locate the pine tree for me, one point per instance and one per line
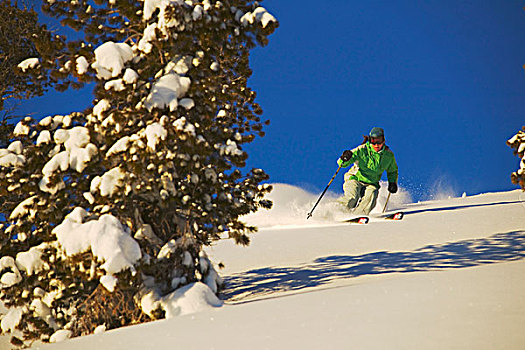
(517, 143)
(23, 37)
(157, 161)
(5, 129)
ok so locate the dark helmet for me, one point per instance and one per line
(377, 132)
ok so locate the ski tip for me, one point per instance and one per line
(395, 216)
(359, 220)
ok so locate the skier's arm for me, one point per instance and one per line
(346, 159)
(343, 164)
(392, 171)
(355, 155)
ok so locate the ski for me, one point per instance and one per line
(394, 216)
(358, 220)
(365, 219)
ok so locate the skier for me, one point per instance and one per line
(371, 159)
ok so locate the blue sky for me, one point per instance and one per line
(444, 78)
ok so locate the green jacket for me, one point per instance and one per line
(371, 164)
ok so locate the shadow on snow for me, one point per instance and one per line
(263, 282)
(456, 207)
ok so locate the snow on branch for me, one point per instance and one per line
(106, 238)
(259, 15)
(517, 142)
(24, 208)
(110, 59)
(166, 91)
(29, 63)
(109, 183)
(12, 156)
(10, 275)
(78, 152)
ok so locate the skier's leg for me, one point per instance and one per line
(352, 189)
(368, 202)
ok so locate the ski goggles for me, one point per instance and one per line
(377, 140)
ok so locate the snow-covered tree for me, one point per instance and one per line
(517, 143)
(107, 211)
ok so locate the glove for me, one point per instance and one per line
(392, 187)
(346, 156)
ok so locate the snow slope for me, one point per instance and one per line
(451, 275)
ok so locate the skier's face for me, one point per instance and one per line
(377, 143)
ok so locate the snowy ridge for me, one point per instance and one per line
(450, 275)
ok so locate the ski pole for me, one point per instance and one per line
(322, 194)
(387, 198)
